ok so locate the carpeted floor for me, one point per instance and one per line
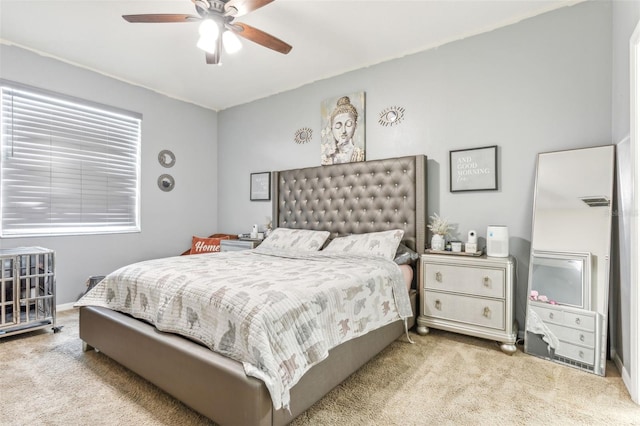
(444, 378)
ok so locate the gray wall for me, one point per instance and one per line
(626, 15)
(540, 85)
(168, 219)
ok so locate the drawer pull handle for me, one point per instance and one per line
(486, 281)
(577, 320)
(486, 312)
(582, 337)
(438, 277)
(550, 315)
(438, 304)
(581, 353)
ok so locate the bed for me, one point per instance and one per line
(343, 199)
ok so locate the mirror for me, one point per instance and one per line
(569, 267)
(303, 135)
(391, 116)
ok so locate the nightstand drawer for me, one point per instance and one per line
(461, 279)
(470, 310)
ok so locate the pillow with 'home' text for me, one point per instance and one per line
(205, 245)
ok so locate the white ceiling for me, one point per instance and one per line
(329, 37)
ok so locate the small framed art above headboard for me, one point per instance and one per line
(355, 198)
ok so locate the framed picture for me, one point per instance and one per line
(260, 189)
(342, 135)
(473, 169)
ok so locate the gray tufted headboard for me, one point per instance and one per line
(355, 198)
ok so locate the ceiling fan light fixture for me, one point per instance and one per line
(207, 44)
(231, 42)
(209, 33)
(209, 29)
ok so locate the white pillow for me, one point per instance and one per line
(383, 244)
(295, 239)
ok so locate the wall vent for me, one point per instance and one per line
(596, 201)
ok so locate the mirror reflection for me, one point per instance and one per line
(569, 267)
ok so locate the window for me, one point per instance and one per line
(67, 166)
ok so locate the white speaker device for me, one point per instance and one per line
(472, 237)
(497, 241)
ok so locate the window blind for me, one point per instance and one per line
(66, 166)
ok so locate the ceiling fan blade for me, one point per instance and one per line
(160, 17)
(242, 7)
(260, 37)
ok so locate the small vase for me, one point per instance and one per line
(437, 242)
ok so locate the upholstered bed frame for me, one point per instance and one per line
(345, 198)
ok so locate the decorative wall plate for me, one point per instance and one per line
(166, 182)
(391, 116)
(166, 158)
(303, 135)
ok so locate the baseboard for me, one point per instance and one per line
(65, 307)
(624, 373)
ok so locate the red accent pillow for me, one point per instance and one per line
(205, 245)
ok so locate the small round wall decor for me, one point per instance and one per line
(303, 135)
(166, 158)
(391, 116)
(166, 182)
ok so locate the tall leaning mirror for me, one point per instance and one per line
(569, 267)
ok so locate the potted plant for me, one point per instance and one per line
(439, 227)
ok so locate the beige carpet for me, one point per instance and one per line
(444, 378)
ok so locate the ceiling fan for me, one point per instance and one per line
(217, 26)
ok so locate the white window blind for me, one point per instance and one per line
(67, 166)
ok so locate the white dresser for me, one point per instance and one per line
(469, 295)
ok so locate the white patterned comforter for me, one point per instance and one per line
(277, 312)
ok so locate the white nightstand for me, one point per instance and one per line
(236, 245)
(469, 295)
